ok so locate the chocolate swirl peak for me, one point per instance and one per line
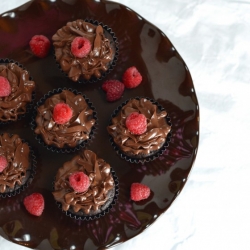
(21, 92)
(71, 133)
(146, 143)
(17, 154)
(93, 64)
(99, 191)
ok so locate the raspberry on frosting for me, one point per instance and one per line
(3, 163)
(40, 45)
(5, 88)
(62, 113)
(79, 182)
(131, 77)
(139, 192)
(80, 47)
(34, 204)
(136, 123)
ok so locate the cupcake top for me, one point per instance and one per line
(96, 61)
(69, 132)
(150, 140)
(21, 88)
(100, 179)
(16, 154)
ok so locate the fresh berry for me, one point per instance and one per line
(139, 192)
(5, 88)
(62, 113)
(131, 78)
(136, 123)
(106, 85)
(3, 163)
(40, 45)
(114, 90)
(79, 182)
(34, 204)
(80, 47)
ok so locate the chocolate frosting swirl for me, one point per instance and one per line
(17, 154)
(146, 143)
(72, 133)
(95, 62)
(21, 92)
(101, 182)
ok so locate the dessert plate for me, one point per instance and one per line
(166, 79)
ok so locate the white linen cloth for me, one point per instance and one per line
(212, 211)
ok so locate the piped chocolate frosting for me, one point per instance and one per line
(73, 132)
(21, 92)
(100, 191)
(17, 154)
(96, 62)
(146, 143)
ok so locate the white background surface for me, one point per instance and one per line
(213, 210)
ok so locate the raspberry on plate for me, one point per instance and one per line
(5, 88)
(34, 204)
(62, 113)
(114, 90)
(3, 163)
(80, 47)
(139, 192)
(131, 77)
(79, 182)
(136, 123)
(40, 45)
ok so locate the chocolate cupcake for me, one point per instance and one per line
(139, 130)
(16, 90)
(64, 120)
(17, 165)
(85, 50)
(96, 197)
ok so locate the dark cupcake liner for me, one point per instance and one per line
(113, 42)
(29, 105)
(103, 210)
(29, 176)
(154, 154)
(65, 149)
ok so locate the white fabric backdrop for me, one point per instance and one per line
(212, 211)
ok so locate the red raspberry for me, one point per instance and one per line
(5, 88)
(131, 78)
(62, 113)
(136, 123)
(114, 90)
(79, 182)
(3, 163)
(139, 192)
(80, 47)
(34, 204)
(40, 45)
(106, 85)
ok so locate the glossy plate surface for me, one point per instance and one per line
(166, 79)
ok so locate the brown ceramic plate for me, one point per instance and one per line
(166, 79)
